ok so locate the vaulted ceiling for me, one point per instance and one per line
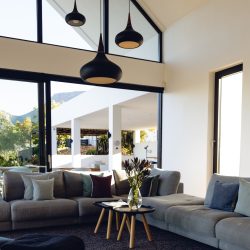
(166, 12)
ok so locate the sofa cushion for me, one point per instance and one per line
(87, 184)
(121, 182)
(28, 186)
(59, 187)
(243, 203)
(101, 186)
(86, 205)
(221, 178)
(73, 184)
(27, 210)
(4, 211)
(13, 188)
(168, 181)
(196, 219)
(43, 189)
(224, 196)
(162, 203)
(234, 231)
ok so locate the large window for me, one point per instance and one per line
(228, 106)
(18, 19)
(118, 20)
(19, 129)
(56, 31)
(45, 22)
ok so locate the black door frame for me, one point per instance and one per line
(218, 76)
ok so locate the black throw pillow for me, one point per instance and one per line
(149, 186)
(101, 186)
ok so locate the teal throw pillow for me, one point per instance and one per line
(87, 184)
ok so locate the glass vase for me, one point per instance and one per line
(134, 198)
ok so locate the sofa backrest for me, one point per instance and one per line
(168, 181)
(13, 187)
(221, 178)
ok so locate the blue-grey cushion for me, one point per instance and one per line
(43, 189)
(243, 203)
(224, 196)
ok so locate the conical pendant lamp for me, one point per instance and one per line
(129, 38)
(100, 70)
(75, 18)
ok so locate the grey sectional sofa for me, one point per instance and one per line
(191, 217)
(177, 212)
(69, 205)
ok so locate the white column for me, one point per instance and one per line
(137, 136)
(115, 156)
(75, 145)
(53, 141)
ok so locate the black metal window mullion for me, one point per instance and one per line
(106, 25)
(41, 123)
(159, 131)
(39, 16)
(48, 126)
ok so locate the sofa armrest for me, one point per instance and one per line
(180, 189)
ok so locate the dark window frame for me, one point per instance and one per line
(218, 76)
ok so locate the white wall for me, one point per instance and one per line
(213, 37)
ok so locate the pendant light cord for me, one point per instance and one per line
(100, 16)
(129, 6)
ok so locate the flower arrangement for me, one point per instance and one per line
(136, 171)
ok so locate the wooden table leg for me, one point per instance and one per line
(128, 224)
(132, 232)
(117, 217)
(99, 220)
(109, 224)
(146, 227)
(124, 218)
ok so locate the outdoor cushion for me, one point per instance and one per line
(86, 205)
(196, 219)
(168, 181)
(221, 178)
(43, 241)
(162, 203)
(234, 231)
(26, 210)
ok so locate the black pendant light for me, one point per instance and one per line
(100, 70)
(75, 18)
(129, 38)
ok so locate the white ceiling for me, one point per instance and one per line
(138, 113)
(166, 12)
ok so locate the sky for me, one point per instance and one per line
(18, 98)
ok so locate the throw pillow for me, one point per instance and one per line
(43, 189)
(149, 186)
(28, 187)
(101, 186)
(224, 196)
(243, 203)
(121, 182)
(168, 181)
(87, 185)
